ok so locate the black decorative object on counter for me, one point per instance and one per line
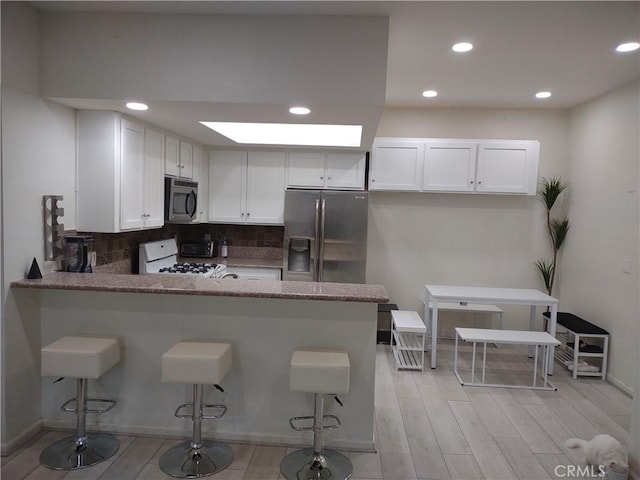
(34, 271)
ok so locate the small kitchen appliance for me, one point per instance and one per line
(162, 257)
(180, 200)
(77, 253)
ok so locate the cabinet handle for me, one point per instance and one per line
(479, 182)
(247, 214)
(328, 178)
(471, 182)
(373, 180)
(242, 214)
(321, 178)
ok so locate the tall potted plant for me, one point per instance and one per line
(557, 229)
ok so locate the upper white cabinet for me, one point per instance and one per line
(246, 187)
(396, 164)
(178, 157)
(120, 174)
(451, 165)
(201, 175)
(326, 170)
(508, 167)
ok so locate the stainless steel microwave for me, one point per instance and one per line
(180, 200)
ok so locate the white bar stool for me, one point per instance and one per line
(81, 358)
(199, 363)
(319, 372)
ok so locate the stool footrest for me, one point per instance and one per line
(222, 408)
(110, 405)
(330, 426)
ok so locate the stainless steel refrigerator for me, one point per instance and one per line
(325, 236)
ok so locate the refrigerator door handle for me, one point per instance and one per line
(317, 241)
(321, 247)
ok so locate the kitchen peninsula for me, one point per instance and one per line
(265, 321)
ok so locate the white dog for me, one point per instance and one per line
(601, 450)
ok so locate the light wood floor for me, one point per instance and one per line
(428, 427)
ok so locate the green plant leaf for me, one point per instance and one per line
(550, 189)
(559, 230)
(546, 269)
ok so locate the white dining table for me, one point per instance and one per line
(434, 294)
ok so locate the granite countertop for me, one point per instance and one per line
(193, 285)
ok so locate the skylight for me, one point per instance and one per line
(289, 133)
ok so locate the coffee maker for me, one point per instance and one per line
(77, 253)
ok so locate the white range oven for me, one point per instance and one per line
(162, 257)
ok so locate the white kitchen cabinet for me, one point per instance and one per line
(172, 156)
(246, 273)
(201, 175)
(246, 187)
(396, 164)
(326, 170)
(153, 190)
(178, 157)
(508, 167)
(455, 165)
(449, 166)
(120, 174)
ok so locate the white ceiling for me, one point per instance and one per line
(520, 47)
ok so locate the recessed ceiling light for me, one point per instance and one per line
(462, 47)
(299, 110)
(137, 106)
(429, 93)
(289, 133)
(627, 47)
(543, 94)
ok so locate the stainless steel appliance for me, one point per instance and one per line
(162, 257)
(77, 253)
(180, 200)
(325, 236)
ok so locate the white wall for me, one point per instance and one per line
(488, 240)
(38, 158)
(604, 214)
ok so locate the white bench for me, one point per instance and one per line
(408, 334)
(466, 308)
(518, 337)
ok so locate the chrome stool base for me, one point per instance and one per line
(305, 465)
(184, 461)
(66, 454)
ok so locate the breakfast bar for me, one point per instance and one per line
(264, 321)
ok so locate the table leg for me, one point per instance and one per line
(552, 331)
(473, 363)
(535, 366)
(434, 331)
(484, 361)
(532, 326)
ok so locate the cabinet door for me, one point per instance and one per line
(265, 188)
(449, 167)
(227, 186)
(345, 170)
(172, 156)
(131, 175)
(396, 165)
(153, 179)
(185, 166)
(201, 175)
(508, 167)
(306, 170)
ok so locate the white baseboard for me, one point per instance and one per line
(623, 387)
(7, 448)
(259, 439)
